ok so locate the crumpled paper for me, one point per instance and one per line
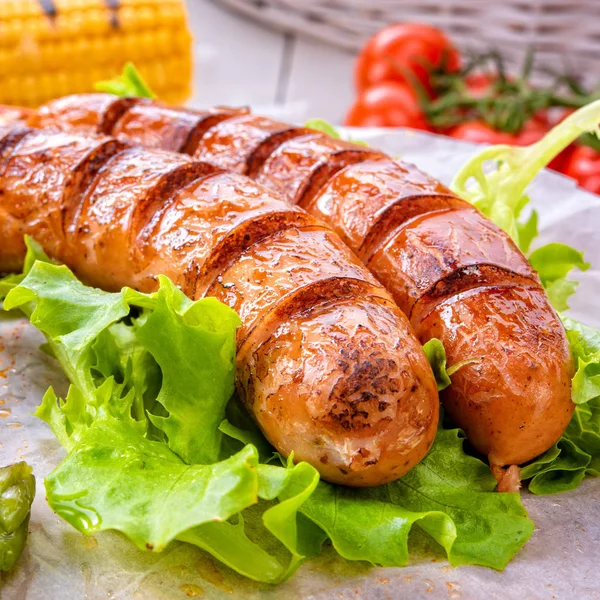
(560, 560)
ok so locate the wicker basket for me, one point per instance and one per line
(565, 33)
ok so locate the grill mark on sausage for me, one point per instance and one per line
(269, 145)
(113, 113)
(194, 139)
(10, 142)
(242, 237)
(333, 164)
(153, 205)
(464, 279)
(82, 178)
(305, 299)
(400, 213)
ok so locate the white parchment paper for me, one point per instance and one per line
(562, 559)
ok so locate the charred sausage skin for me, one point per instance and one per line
(327, 364)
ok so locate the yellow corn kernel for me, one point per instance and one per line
(44, 56)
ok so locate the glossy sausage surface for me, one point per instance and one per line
(167, 128)
(322, 341)
(223, 144)
(442, 261)
(298, 167)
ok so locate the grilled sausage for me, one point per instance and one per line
(454, 273)
(327, 364)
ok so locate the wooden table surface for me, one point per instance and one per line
(241, 62)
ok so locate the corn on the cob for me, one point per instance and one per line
(49, 48)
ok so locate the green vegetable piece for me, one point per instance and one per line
(554, 262)
(293, 538)
(528, 231)
(562, 468)
(436, 355)
(449, 495)
(129, 84)
(585, 345)
(17, 490)
(500, 194)
(114, 478)
(182, 350)
(324, 126)
(330, 130)
(194, 345)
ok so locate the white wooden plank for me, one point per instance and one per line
(237, 61)
(321, 76)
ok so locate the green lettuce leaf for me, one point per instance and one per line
(272, 536)
(554, 262)
(449, 495)
(330, 130)
(500, 194)
(188, 346)
(436, 355)
(585, 345)
(323, 126)
(115, 478)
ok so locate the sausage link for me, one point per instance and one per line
(363, 438)
(513, 400)
(441, 260)
(321, 339)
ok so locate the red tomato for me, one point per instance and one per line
(560, 161)
(554, 116)
(402, 48)
(481, 133)
(584, 166)
(387, 104)
(479, 84)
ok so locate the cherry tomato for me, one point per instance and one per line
(584, 166)
(479, 84)
(481, 133)
(560, 161)
(387, 104)
(404, 47)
